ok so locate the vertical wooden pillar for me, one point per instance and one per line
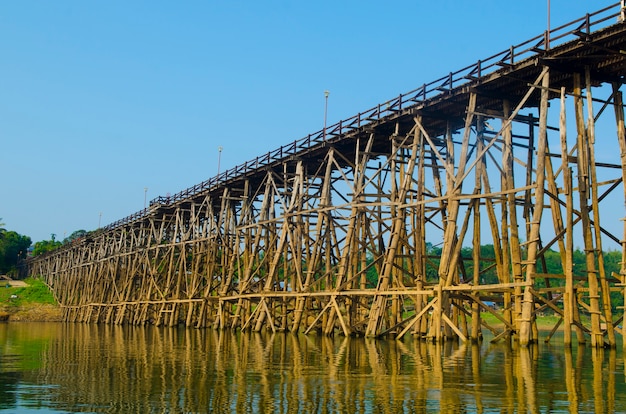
(621, 137)
(568, 296)
(420, 233)
(527, 320)
(595, 206)
(584, 186)
(476, 241)
(510, 237)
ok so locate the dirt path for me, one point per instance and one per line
(5, 280)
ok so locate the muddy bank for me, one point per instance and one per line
(33, 312)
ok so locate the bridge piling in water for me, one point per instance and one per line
(377, 225)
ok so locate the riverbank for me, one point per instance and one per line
(31, 313)
(28, 301)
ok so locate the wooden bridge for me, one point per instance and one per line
(364, 228)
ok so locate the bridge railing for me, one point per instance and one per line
(437, 88)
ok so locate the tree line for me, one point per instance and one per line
(15, 248)
(550, 265)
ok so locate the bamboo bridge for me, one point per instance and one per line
(362, 228)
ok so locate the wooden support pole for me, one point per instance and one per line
(568, 269)
(527, 319)
(420, 235)
(476, 240)
(584, 186)
(595, 206)
(621, 138)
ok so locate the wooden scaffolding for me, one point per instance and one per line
(364, 228)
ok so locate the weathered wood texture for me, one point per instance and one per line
(363, 229)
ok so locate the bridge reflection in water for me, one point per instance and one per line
(108, 368)
(360, 229)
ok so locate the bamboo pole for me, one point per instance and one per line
(526, 322)
(568, 295)
(476, 241)
(621, 138)
(584, 185)
(603, 284)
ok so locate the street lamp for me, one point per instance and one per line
(326, 93)
(219, 158)
(548, 32)
(145, 194)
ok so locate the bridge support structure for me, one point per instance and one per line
(439, 219)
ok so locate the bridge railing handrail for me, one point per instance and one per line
(438, 87)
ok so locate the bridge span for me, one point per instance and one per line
(374, 225)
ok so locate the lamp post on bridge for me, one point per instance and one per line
(219, 158)
(326, 93)
(145, 194)
(548, 32)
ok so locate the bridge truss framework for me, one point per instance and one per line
(360, 228)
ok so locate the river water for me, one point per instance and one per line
(62, 368)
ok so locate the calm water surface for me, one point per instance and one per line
(60, 368)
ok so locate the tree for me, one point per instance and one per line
(45, 246)
(78, 234)
(13, 248)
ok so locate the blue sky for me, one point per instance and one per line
(99, 100)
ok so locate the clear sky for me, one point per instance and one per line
(101, 99)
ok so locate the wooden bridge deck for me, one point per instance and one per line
(363, 228)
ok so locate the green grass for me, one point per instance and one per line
(35, 292)
(543, 321)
